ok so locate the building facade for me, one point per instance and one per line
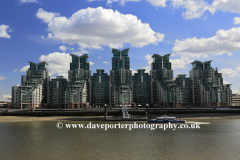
(100, 88)
(203, 87)
(207, 86)
(164, 92)
(78, 93)
(34, 89)
(141, 87)
(120, 84)
(57, 88)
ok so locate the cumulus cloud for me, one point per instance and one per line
(181, 62)
(4, 29)
(148, 69)
(91, 63)
(149, 61)
(2, 78)
(63, 48)
(229, 72)
(194, 8)
(99, 57)
(79, 53)
(224, 42)
(58, 62)
(133, 71)
(96, 27)
(236, 20)
(191, 8)
(5, 98)
(158, 3)
(121, 2)
(24, 69)
(15, 70)
(226, 82)
(227, 5)
(105, 62)
(235, 91)
(28, 1)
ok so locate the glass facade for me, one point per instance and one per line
(204, 87)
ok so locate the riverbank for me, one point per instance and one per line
(205, 116)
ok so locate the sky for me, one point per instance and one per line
(51, 30)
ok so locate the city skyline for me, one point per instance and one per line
(204, 86)
(30, 30)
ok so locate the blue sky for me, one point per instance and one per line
(51, 30)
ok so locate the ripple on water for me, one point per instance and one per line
(42, 140)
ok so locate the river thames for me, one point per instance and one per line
(43, 140)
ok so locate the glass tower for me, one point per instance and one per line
(120, 79)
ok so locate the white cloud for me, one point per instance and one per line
(63, 48)
(42, 37)
(158, 3)
(149, 60)
(72, 49)
(15, 70)
(58, 62)
(235, 91)
(224, 42)
(3, 31)
(47, 17)
(191, 8)
(194, 8)
(91, 63)
(236, 20)
(2, 78)
(133, 71)
(227, 5)
(24, 69)
(121, 2)
(28, 1)
(105, 62)
(148, 69)
(99, 57)
(228, 72)
(79, 53)
(226, 82)
(64, 74)
(180, 63)
(5, 98)
(94, 27)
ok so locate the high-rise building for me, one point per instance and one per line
(185, 85)
(33, 91)
(100, 88)
(208, 87)
(120, 79)
(57, 88)
(141, 87)
(78, 92)
(164, 92)
(204, 87)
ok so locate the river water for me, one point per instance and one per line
(43, 140)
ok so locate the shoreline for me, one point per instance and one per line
(5, 119)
